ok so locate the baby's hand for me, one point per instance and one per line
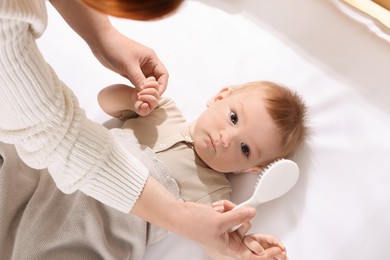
(265, 246)
(147, 98)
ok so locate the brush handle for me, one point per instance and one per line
(249, 203)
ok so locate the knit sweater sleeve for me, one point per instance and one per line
(42, 117)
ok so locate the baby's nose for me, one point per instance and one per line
(226, 138)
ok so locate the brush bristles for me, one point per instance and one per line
(265, 170)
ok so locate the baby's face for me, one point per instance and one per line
(236, 132)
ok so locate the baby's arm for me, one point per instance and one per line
(117, 98)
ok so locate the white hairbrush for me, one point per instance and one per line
(274, 181)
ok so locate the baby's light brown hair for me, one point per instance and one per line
(288, 111)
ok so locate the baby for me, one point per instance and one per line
(243, 129)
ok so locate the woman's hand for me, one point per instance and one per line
(196, 221)
(130, 59)
(115, 51)
(246, 247)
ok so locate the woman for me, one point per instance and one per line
(42, 118)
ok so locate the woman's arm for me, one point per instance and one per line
(41, 116)
(86, 22)
(198, 222)
(114, 50)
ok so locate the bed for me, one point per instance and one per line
(339, 208)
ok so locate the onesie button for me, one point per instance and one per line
(163, 146)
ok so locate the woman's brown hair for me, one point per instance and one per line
(142, 10)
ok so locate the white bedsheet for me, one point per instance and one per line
(339, 208)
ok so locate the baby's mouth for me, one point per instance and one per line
(213, 143)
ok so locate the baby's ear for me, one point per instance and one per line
(255, 169)
(219, 96)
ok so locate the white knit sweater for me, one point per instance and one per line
(42, 117)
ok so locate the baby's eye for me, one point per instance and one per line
(245, 149)
(233, 118)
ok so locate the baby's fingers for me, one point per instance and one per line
(142, 108)
(274, 252)
(148, 92)
(223, 205)
(268, 241)
(152, 101)
(253, 245)
(147, 100)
